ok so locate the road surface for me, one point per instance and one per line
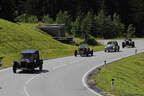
(60, 77)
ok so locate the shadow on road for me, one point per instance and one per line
(33, 71)
(114, 52)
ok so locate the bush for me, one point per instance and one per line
(32, 19)
(91, 41)
(22, 18)
(47, 19)
(25, 18)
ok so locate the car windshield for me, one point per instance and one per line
(25, 56)
(83, 46)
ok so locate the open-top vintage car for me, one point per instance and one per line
(112, 46)
(84, 51)
(128, 43)
(29, 61)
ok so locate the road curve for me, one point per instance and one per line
(60, 77)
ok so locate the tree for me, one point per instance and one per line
(76, 25)
(130, 31)
(64, 18)
(86, 25)
(6, 9)
(119, 27)
(47, 19)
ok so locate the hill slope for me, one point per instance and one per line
(16, 37)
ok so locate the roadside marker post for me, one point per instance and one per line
(99, 74)
(105, 63)
(112, 84)
(135, 51)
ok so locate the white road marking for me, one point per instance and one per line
(5, 69)
(28, 81)
(75, 61)
(60, 66)
(85, 84)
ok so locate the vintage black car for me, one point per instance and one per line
(29, 61)
(112, 46)
(84, 51)
(128, 43)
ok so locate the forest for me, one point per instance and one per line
(95, 17)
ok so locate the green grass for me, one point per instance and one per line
(15, 37)
(78, 40)
(128, 74)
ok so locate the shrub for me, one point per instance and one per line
(91, 41)
(25, 18)
(22, 18)
(32, 19)
(47, 19)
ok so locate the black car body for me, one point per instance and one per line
(128, 43)
(85, 51)
(112, 46)
(29, 61)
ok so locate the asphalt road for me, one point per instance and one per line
(60, 77)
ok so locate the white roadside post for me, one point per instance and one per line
(105, 63)
(135, 51)
(99, 74)
(112, 84)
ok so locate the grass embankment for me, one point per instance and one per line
(128, 74)
(15, 37)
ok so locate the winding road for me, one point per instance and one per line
(61, 77)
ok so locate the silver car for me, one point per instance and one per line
(112, 46)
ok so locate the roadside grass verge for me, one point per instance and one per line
(128, 74)
(16, 37)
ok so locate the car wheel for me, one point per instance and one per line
(87, 54)
(123, 46)
(14, 69)
(40, 67)
(92, 54)
(133, 44)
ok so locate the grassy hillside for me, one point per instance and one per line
(15, 37)
(128, 74)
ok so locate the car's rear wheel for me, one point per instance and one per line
(123, 44)
(133, 44)
(92, 53)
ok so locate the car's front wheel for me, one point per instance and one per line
(15, 66)
(40, 67)
(14, 69)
